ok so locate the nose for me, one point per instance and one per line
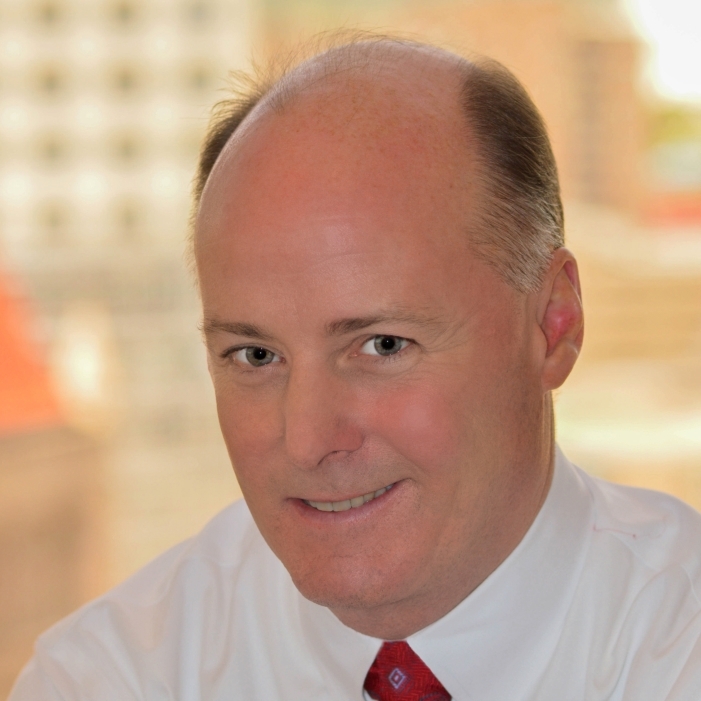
(320, 419)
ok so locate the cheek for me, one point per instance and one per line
(249, 428)
(424, 423)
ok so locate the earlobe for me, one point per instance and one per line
(562, 321)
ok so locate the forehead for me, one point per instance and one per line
(375, 167)
(399, 125)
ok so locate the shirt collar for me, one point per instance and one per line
(503, 634)
(344, 655)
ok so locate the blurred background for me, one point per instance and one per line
(109, 446)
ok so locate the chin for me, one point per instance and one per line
(356, 587)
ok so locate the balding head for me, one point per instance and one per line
(383, 392)
(489, 119)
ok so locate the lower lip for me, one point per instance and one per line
(359, 512)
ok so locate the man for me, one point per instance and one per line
(387, 306)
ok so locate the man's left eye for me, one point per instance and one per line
(384, 345)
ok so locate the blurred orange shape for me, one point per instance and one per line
(27, 396)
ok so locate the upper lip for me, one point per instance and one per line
(347, 498)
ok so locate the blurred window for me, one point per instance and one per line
(54, 221)
(127, 80)
(127, 148)
(125, 13)
(50, 13)
(51, 81)
(199, 78)
(198, 13)
(53, 149)
(129, 217)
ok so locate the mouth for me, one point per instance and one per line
(347, 504)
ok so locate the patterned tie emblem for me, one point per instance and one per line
(399, 673)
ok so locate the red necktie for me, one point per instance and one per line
(398, 673)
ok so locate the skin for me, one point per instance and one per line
(339, 218)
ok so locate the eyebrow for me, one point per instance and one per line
(344, 326)
(334, 328)
(238, 328)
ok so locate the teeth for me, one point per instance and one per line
(346, 504)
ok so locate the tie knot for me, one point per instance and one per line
(399, 673)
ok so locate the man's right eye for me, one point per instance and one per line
(255, 356)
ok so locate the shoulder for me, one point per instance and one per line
(225, 543)
(164, 615)
(643, 590)
(658, 530)
(633, 626)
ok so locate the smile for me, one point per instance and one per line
(346, 504)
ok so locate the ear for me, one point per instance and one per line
(560, 318)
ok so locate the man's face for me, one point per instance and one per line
(357, 345)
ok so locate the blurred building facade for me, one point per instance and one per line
(102, 108)
(103, 104)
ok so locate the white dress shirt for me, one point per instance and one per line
(600, 600)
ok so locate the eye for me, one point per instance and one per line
(255, 356)
(384, 345)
